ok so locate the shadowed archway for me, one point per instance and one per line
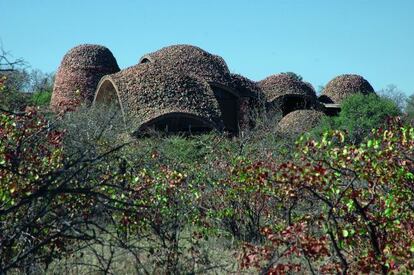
(289, 103)
(229, 103)
(107, 94)
(145, 59)
(175, 122)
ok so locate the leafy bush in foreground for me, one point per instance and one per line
(365, 196)
(49, 201)
(178, 204)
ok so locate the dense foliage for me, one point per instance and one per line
(352, 207)
(79, 195)
(49, 198)
(180, 204)
(409, 109)
(21, 88)
(359, 114)
(41, 98)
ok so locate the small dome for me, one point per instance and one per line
(78, 75)
(147, 91)
(190, 60)
(282, 84)
(89, 56)
(299, 122)
(286, 93)
(343, 86)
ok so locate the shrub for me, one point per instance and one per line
(13, 101)
(359, 114)
(409, 108)
(393, 93)
(178, 204)
(41, 98)
(51, 199)
(363, 219)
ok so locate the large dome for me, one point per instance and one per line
(190, 60)
(170, 76)
(343, 86)
(148, 93)
(79, 73)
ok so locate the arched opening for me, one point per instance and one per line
(229, 106)
(145, 59)
(176, 123)
(325, 99)
(107, 97)
(292, 103)
(106, 93)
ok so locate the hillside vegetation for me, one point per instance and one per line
(78, 195)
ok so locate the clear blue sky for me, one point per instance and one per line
(317, 39)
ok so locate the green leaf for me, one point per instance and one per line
(345, 233)
(388, 212)
(350, 205)
(412, 248)
(409, 176)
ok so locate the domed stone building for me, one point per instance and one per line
(182, 87)
(78, 75)
(343, 86)
(299, 122)
(188, 59)
(151, 97)
(252, 101)
(286, 93)
(234, 96)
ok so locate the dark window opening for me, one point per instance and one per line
(325, 99)
(332, 110)
(293, 103)
(145, 60)
(229, 107)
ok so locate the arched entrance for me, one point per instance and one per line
(106, 93)
(290, 103)
(176, 122)
(229, 106)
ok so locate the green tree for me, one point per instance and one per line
(359, 114)
(409, 108)
(41, 98)
(395, 94)
(294, 75)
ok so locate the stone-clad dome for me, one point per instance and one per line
(152, 96)
(299, 121)
(282, 84)
(78, 75)
(286, 93)
(190, 59)
(343, 86)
